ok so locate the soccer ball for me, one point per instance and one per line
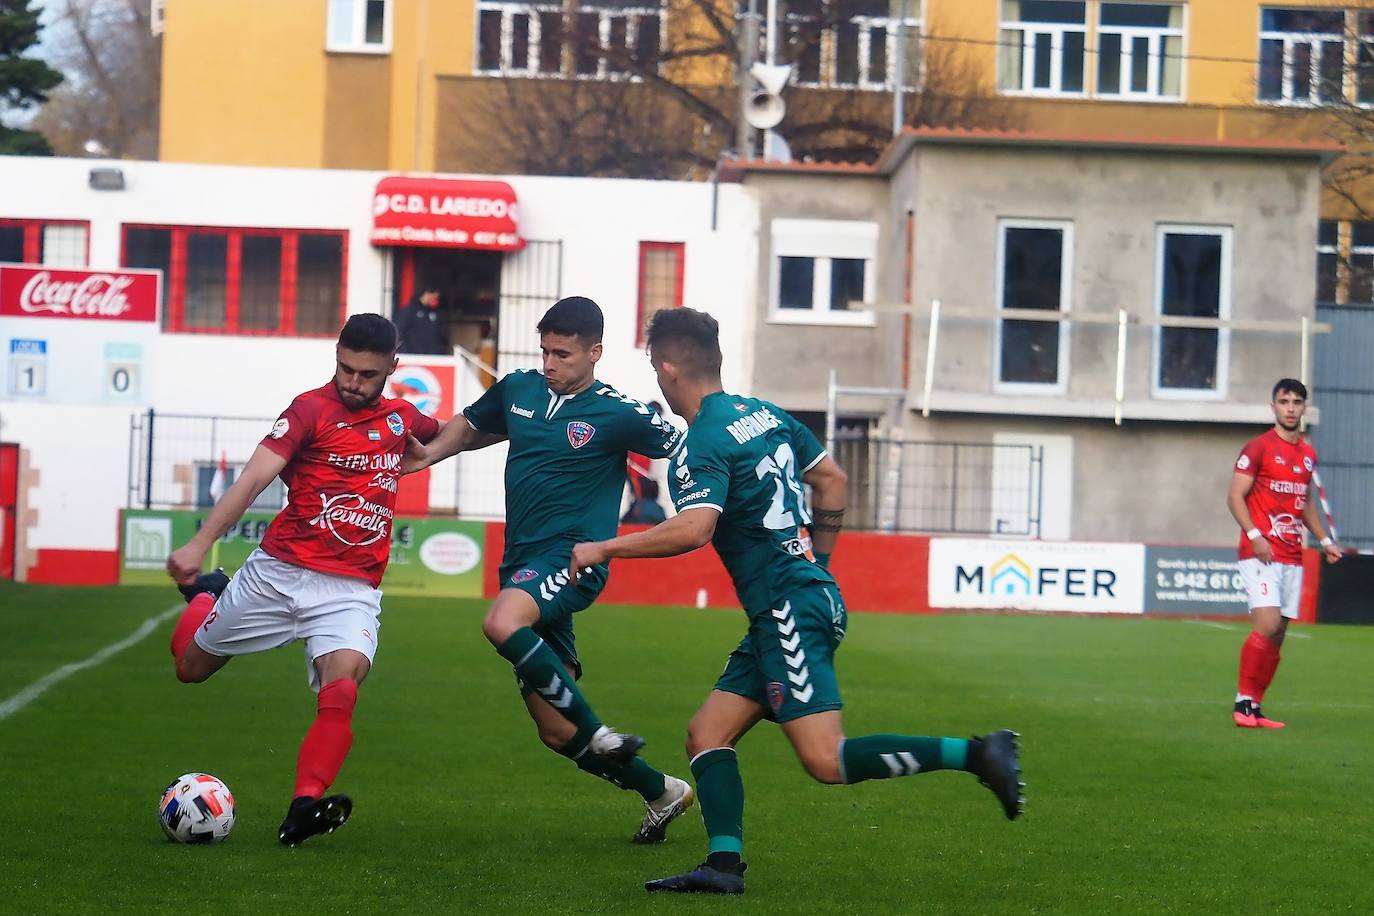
(196, 808)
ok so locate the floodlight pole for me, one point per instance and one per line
(749, 43)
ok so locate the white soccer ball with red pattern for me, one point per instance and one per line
(196, 808)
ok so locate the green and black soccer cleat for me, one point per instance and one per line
(703, 879)
(994, 760)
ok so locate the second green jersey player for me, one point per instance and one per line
(569, 436)
(738, 484)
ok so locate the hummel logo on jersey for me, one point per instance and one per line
(522, 412)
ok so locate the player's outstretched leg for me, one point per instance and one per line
(538, 665)
(992, 758)
(722, 809)
(200, 596)
(321, 757)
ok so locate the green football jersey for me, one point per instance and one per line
(745, 459)
(565, 472)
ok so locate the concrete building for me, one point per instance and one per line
(1185, 270)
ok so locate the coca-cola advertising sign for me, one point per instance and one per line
(30, 291)
(445, 213)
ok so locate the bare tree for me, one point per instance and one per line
(626, 107)
(109, 103)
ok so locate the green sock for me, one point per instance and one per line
(639, 776)
(883, 756)
(540, 668)
(722, 798)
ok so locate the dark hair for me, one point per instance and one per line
(1289, 384)
(575, 316)
(370, 333)
(688, 339)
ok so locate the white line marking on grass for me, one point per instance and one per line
(1233, 628)
(39, 687)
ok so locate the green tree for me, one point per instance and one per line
(24, 81)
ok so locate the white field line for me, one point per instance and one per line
(1294, 634)
(32, 692)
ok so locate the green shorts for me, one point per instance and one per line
(545, 579)
(787, 661)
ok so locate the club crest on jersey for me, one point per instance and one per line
(776, 694)
(524, 575)
(395, 424)
(1307, 463)
(580, 433)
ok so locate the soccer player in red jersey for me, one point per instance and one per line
(338, 449)
(1270, 499)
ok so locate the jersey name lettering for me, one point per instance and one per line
(753, 425)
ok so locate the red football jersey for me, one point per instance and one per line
(342, 468)
(1283, 473)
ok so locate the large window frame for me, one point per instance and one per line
(1039, 38)
(36, 244)
(522, 25)
(823, 242)
(1293, 45)
(676, 252)
(1156, 51)
(875, 65)
(350, 16)
(1060, 385)
(1223, 351)
(175, 290)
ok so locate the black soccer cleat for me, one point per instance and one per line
(704, 879)
(309, 817)
(213, 582)
(994, 760)
(613, 745)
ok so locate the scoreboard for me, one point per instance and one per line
(79, 336)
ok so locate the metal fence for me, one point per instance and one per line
(946, 487)
(1343, 386)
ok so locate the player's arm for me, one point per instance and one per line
(1235, 501)
(262, 468)
(689, 529)
(829, 499)
(458, 435)
(1312, 516)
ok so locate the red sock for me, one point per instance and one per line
(1252, 656)
(327, 743)
(1269, 663)
(196, 611)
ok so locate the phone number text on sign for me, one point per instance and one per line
(1193, 580)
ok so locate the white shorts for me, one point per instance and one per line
(270, 603)
(1272, 585)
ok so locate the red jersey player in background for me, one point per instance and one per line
(1270, 499)
(338, 449)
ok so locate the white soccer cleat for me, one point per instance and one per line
(658, 814)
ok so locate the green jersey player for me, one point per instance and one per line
(738, 484)
(569, 435)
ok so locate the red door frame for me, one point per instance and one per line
(9, 506)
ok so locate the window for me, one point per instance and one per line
(1194, 281)
(1043, 44)
(359, 25)
(1328, 260)
(1361, 276)
(245, 281)
(1301, 56)
(660, 280)
(824, 271)
(55, 243)
(859, 51)
(1140, 50)
(1034, 266)
(528, 39)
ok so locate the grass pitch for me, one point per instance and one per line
(1143, 798)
